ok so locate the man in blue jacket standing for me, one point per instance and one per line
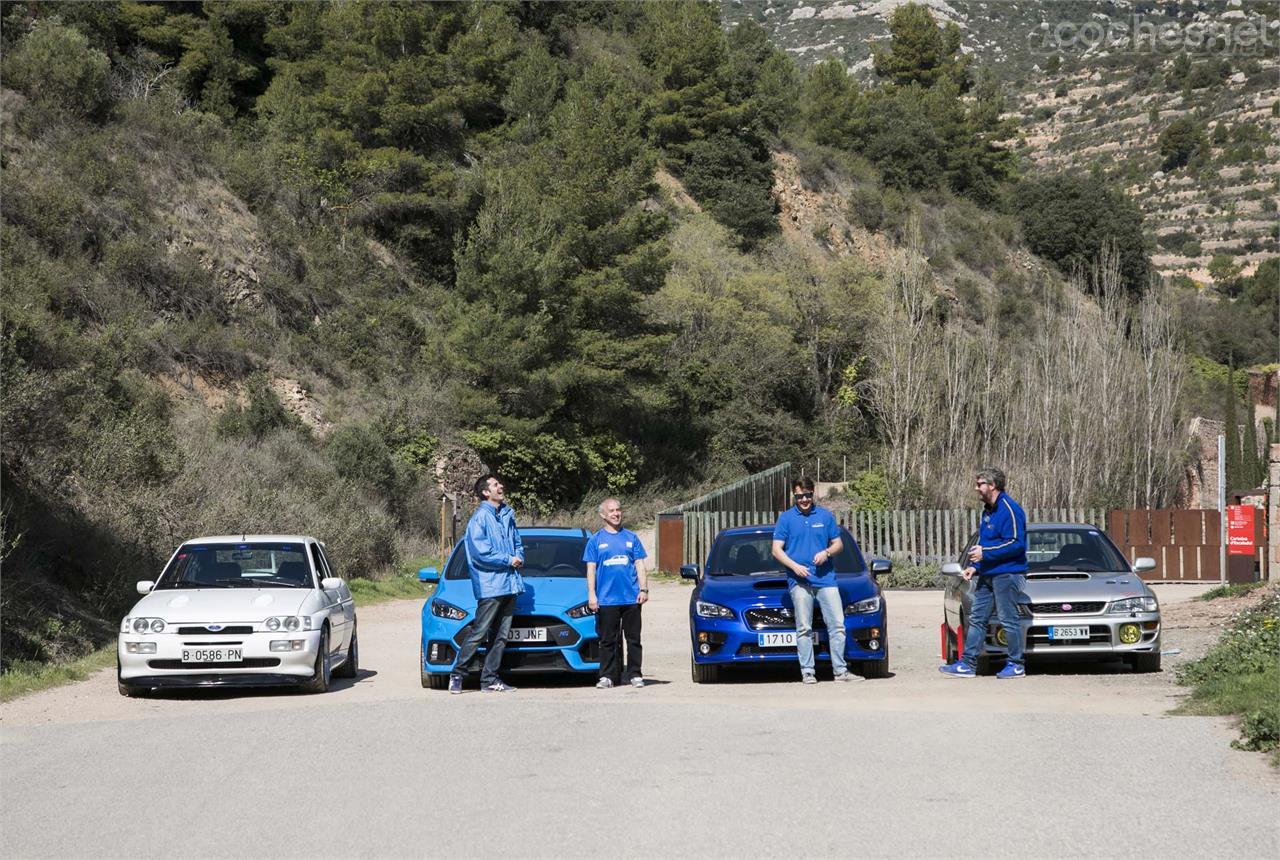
(494, 558)
(999, 559)
(805, 540)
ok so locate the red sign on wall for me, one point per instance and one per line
(1240, 529)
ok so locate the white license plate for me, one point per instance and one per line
(212, 655)
(781, 639)
(1068, 632)
(527, 634)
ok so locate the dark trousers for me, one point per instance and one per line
(613, 623)
(492, 624)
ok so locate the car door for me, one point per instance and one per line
(333, 603)
(345, 605)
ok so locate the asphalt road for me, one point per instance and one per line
(1067, 762)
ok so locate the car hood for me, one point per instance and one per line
(552, 592)
(1079, 587)
(773, 589)
(224, 605)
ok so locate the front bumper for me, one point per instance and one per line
(571, 645)
(165, 667)
(726, 641)
(1104, 635)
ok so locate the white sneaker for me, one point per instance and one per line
(637, 681)
(604, 684)
(848, 676)
(808, 679)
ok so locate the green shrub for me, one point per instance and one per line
(866, 206)
(910, 574)
(262, 415)
(1190, 248)
(55, 67)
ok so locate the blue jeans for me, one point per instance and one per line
(1004, 590)
(492, 624)
(802, 597)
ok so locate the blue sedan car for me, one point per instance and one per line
(740, 612)
(552, 630)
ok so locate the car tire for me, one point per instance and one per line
(873, 669)
(351, 666)
(1145, 662)
(953, 647)
(703, 674)
(125, 689)
(319, 680)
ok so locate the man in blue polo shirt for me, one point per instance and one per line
(805, 540)
(617, 586)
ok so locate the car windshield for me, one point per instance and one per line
(544, 555)
(751, 554)
(246, 565)
(1050, 549)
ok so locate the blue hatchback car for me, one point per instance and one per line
(740, 612)
(552, 630)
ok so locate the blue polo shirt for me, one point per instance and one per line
(805, 535)
(614, 555)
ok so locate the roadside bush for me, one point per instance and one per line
(912, 574)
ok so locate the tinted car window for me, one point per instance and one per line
(544, 555)
(748, 554)
(234, 565)
(1071, 549)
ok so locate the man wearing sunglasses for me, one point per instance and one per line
(805, 540)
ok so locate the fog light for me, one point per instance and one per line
(140, 647)
(874, 644)
(434, 655)
(704, 648)
(287, 644)
(1129, 633)
(1002, 638)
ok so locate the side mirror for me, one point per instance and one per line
(881, 567)
(689, 571)
(952, 568)
(1144, 563)
(329, 583)
(145, 586)
(428, 574)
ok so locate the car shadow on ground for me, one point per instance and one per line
(1077, 667)
(214, 694)
(778, 674)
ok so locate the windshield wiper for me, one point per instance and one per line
(237, 582)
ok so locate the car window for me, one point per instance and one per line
(752, 553)
(253, 565)
(1072, 549)
(321, 571)
(544, 555)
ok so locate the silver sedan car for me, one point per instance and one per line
(1082, 600)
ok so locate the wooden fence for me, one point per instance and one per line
(1184, 543)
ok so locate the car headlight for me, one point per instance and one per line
(1134, 604)
(713, 610)
(582, 610)
(862, 607)
(440, 609)
(143, 625)
(288, 622)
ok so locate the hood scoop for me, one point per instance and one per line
(766, 584)
(1058, 574)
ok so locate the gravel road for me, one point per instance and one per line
(1072, 761)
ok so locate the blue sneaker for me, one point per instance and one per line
(455, 683)
(1012, 670)
(957, 670)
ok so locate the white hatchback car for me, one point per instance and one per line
(240, 610)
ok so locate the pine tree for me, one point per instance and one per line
(1251, 463)
(1232, 432)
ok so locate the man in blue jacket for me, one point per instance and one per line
(805, 540)
(999, 559)
(494, 558)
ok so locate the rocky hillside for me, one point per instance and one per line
(1084, 104)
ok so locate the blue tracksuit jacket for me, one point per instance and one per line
(1003, 538)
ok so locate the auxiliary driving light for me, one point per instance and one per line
(874, 644)
(1002, 638)
(1129, 633)
(287, 644)
(704, 648)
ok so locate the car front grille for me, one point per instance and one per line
(778, 617)
(250, 663)
(236, 630)
(1067, 607)
(559, 633)
(1038, 637)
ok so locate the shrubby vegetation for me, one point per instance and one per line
(444, 221)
